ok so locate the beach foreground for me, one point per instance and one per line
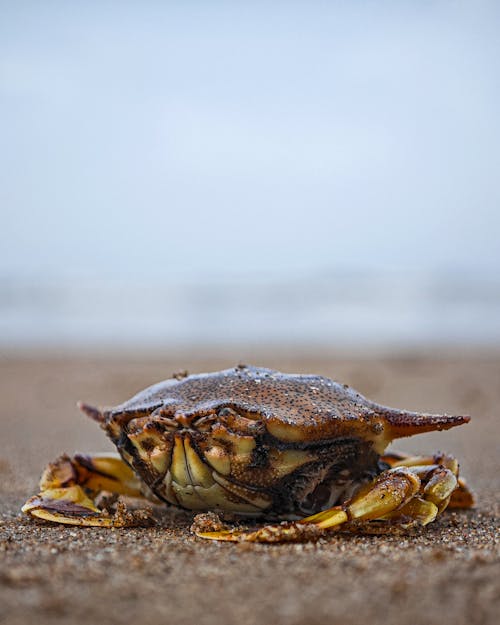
(446, 573)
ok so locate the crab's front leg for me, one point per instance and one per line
(405, 495)
(70, 485)
(462, 496)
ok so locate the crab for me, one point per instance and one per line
(303, 453)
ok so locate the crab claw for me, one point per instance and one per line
(68, 505)
(68, 485)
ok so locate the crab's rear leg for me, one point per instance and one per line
(462, 496)
(404, 495)
(70, 485)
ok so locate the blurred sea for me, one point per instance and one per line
(356, 309)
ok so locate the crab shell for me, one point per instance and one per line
(254, 441)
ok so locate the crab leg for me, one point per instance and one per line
(405, 495)
(462, 496)
(69, 486)
(390, 490)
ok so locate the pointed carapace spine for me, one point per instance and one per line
(401, 423)
(92, 412)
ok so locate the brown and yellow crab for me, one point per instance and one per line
(253, 442)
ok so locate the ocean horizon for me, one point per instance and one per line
(372, 309)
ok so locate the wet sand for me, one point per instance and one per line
(448, 572)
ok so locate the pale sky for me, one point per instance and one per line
(158, 140)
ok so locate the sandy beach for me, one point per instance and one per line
(446, 573)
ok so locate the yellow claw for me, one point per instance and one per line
(70, 506)
(69, 484)
(94, 472)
